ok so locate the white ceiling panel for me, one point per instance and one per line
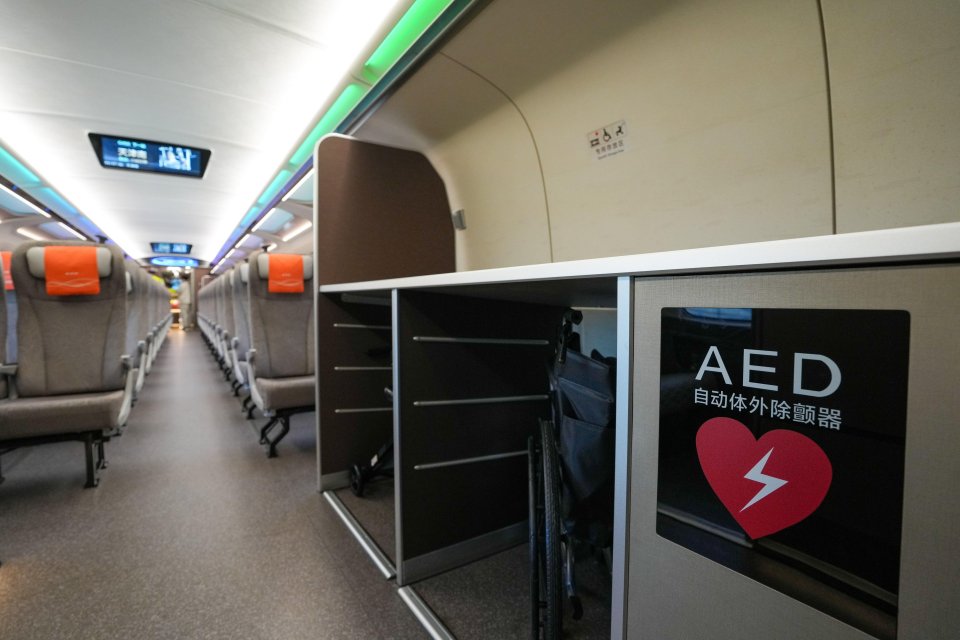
(52, 88)
(242, 78)
(176, 41)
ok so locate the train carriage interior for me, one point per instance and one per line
(479, 319)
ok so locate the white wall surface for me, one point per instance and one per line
(895, 80)
(727, 116)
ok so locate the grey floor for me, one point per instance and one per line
(490, 599)
(375, 513)
(193, 532)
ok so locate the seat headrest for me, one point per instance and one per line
(70, 270)
(245, 272)
(36, 263)
(7, 276)
(263, 267)
(129, 282)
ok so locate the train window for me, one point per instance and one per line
(781, 449)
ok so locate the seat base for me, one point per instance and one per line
(281, 417)
(93, 445)
(52, 415)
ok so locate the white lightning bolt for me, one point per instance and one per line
(770, 484)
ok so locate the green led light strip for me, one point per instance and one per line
(413, 24)
(410, 27)
(15, 170)
(14, 174)
(341, 107)
(278, 181)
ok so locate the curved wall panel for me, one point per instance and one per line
(480, 145)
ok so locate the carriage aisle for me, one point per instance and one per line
(191, 533)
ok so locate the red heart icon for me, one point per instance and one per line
(768, 484)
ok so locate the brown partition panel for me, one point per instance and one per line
(472, 384)
(380, 212)
(354, 367)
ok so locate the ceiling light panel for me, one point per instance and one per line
(22, 205)
(242, 78)
(303, 189)
(297, 230)
(32, 234)
(277, 221)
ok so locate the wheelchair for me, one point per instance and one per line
(570, 480)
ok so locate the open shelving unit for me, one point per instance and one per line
(467, 358)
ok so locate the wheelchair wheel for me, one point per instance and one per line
(357, 481)
(534, 498)
(552, 557)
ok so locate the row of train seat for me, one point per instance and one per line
(86, 328)
(258, 320)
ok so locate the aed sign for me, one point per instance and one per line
(782, 446)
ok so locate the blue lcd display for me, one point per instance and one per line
(147, 155)
(169, 261)
(181, 248)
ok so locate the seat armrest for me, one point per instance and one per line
(9, 371)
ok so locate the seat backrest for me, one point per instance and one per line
(281, 323)
(134, 304)
(144, 325)
(10, 310)
(71, 330)
(203, 302)
(156, 301)
(239, 278)
(226, 290)
(218, 302)
(4, 277)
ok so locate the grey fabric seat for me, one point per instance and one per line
(11, 311)
(208, 307)
(295, 391)
(228, 330)
(5, 333)
(143, 327)
(74, 380)
(136, 337)
(158, 306)
(239, 278)
(204, 314)
(77, 412)
(281, 359)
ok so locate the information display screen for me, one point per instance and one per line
(150, 156)
(180, 248)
